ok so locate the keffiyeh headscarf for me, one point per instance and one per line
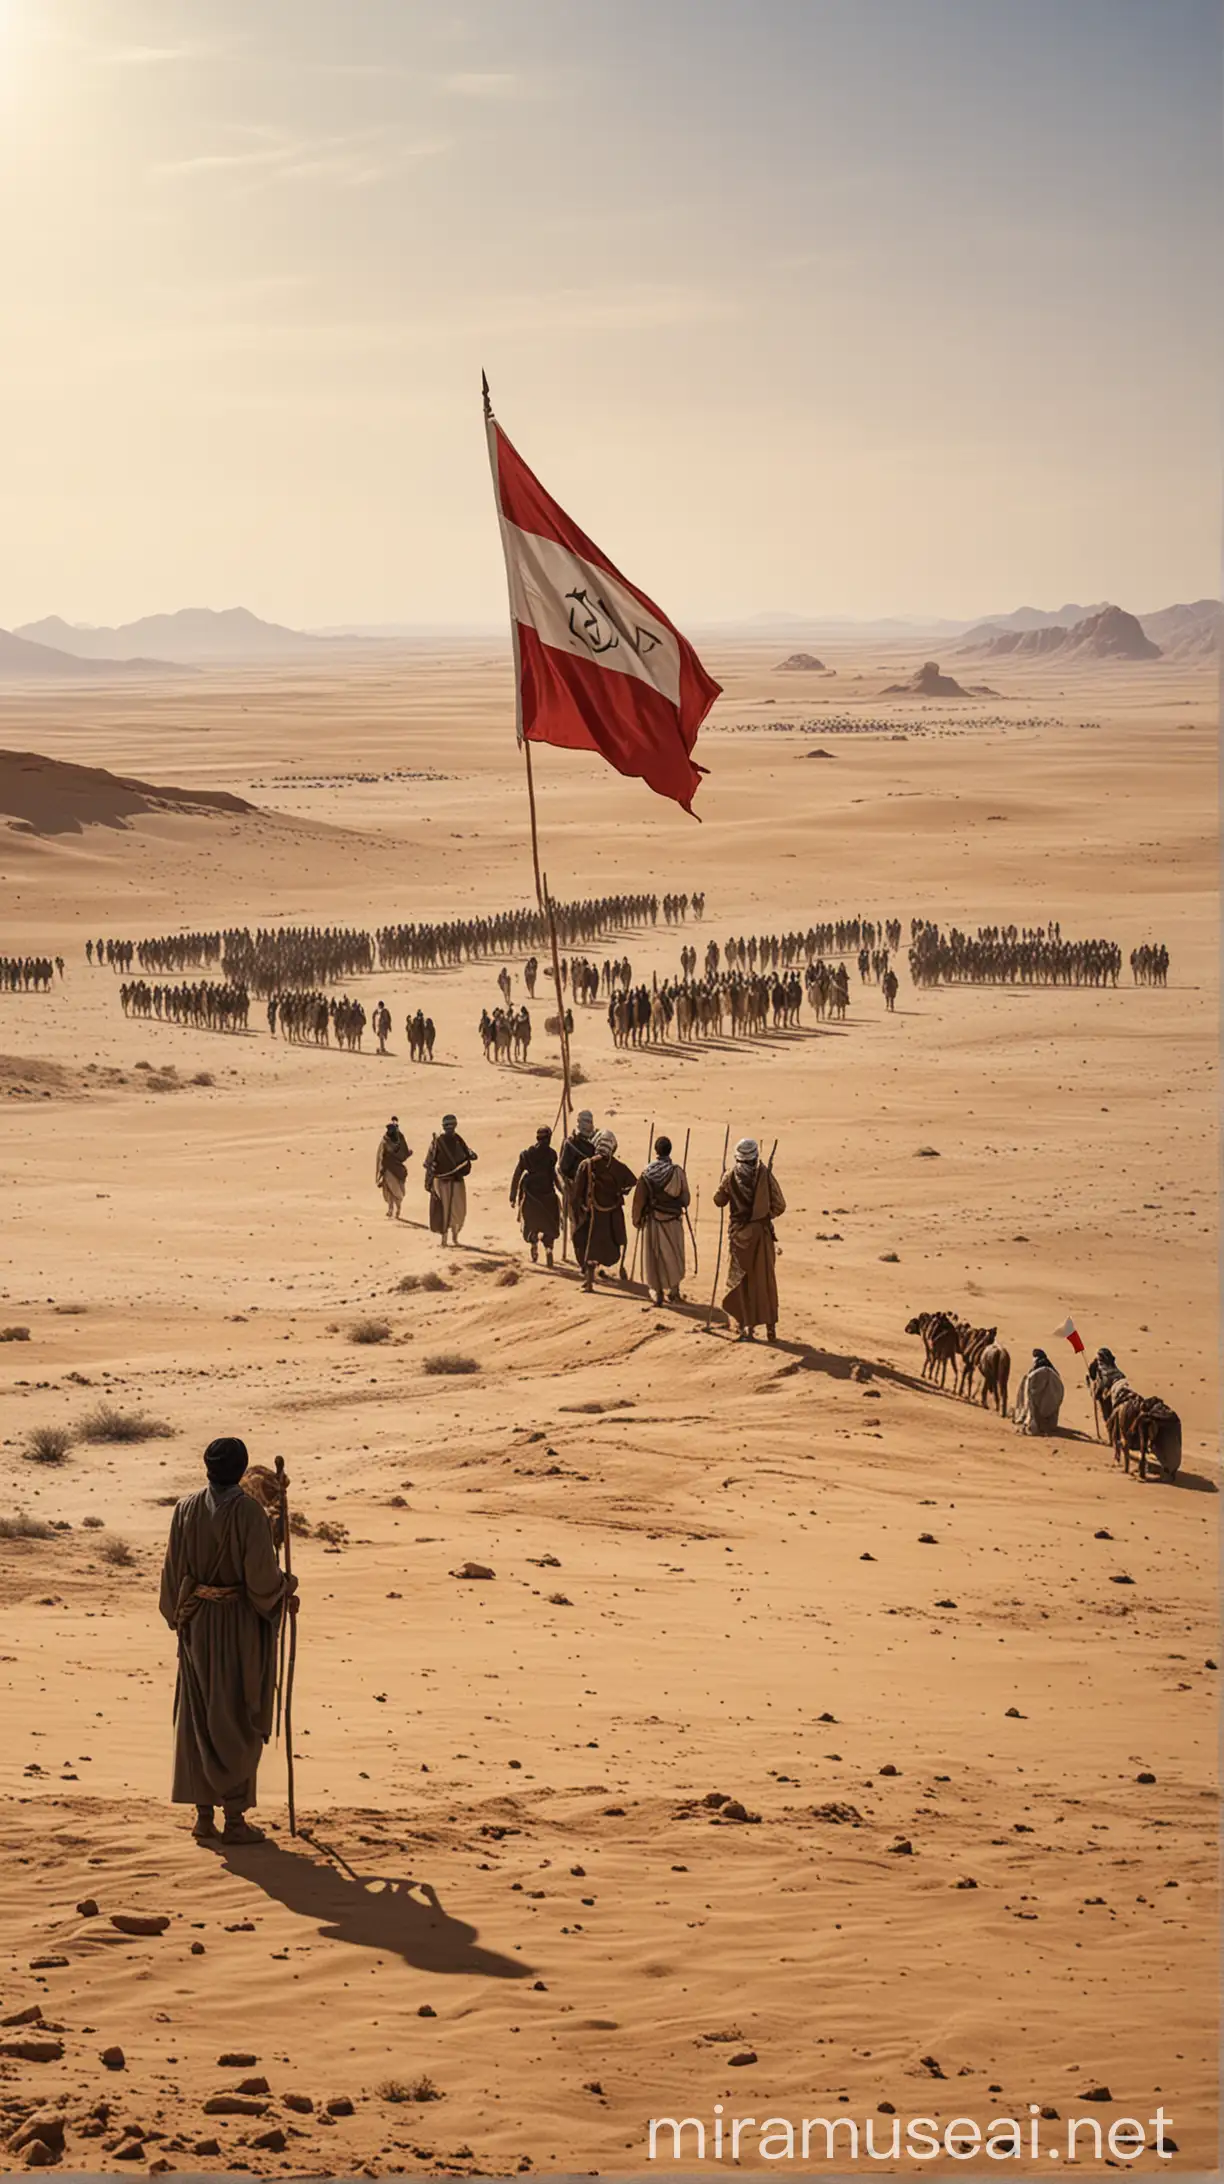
(747, 1154)
(605, 1141)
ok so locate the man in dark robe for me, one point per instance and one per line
(533, 1193)
(578, 1146)
(753, 1200)
(447, 1163)
(223, 1592)
(600, 1189)
(391, 1167)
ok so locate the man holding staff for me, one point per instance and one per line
(659, 1206)
(753, 1200)
(223, 1593)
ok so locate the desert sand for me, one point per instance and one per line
(795, 1576)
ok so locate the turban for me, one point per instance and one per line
(586, 1121)
(747, 1150)
(606, 1141)
(225, 1461)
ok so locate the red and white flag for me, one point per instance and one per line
(598, 667)
(1071, 1334)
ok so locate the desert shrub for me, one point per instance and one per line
(48, 1444)
(508, 1277)
(92, 1524)
(449, 1361)
(14, 1334)
(20, 1525)
(370, 1330)
(332, 1532)
(119, 1553)
(410, 2089)
(203, 1076)
(298, 1524)
(407, 1283)
(106, 1422)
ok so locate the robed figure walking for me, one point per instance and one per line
(659, 1206)
(754, 1200)
(391, 1167)
(447, 1163)
(600, 1188)
(533, 1194)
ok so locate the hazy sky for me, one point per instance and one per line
(860, 306)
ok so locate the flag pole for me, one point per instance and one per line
(518, 700)
(565, 1053)
(535, 839)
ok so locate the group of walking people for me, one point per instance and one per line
(585, 1189)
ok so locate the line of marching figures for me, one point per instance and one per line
(584, 1189)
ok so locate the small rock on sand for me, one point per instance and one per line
(233, 2060)
(140, 1922)
(473, 1569)
(300, 2103)
(33, 2051)
(113, 2058)
(87, 1908)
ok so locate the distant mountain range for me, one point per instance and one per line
(23, 661)
(1105, 633)
(195, 636)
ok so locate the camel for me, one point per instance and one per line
(994, 1365)
(940, 1341)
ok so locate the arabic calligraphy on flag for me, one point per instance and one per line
(599, 666)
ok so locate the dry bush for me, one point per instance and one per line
(14, 1334)
(20, 1525)
(106, 1422)
(119, 1553)
(71, 1311)
(332, 1532)
(203, 1076)
(48, 1444)
(433, 1281)
(411, 2089)
(92, 1524)
(407, 1283)
(370, 1330)
(508, 1277)
(298, 1524)
(449, 1361)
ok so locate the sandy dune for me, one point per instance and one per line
(504, 1788)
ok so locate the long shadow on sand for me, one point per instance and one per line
(368, 1911)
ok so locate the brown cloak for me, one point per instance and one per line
(227, 1648)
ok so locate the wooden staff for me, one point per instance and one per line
(637, 1234)
(722, 1216)
(690, 1224)
(287, 1616)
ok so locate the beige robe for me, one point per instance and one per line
(1039, 1399)
(227, 1648)
(752, 1287)
(658, 1214)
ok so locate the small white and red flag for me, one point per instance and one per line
(1072, 1335)
(598, 666)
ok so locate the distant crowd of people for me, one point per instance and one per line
(29, 974)
(1010, 955)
